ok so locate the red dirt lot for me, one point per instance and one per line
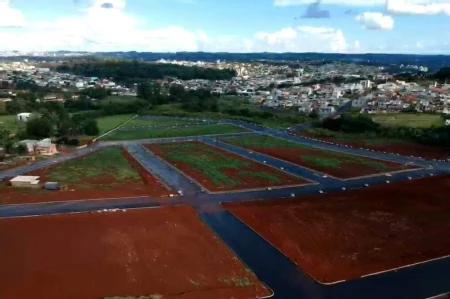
(402, 148)
(349, 234)
(167, 251)
(148, 185)
(245, 182)
(347, 170)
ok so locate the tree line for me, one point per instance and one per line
(436, 136)
(130, 72)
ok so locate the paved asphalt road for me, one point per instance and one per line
(269, 264)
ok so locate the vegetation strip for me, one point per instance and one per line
(337, 164)
(173, 132)
(219, 170)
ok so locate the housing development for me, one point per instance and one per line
(179, 179)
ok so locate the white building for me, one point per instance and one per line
(327, 111)
(23, 116)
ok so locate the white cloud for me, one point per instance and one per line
(302, 39)
(10, 17)
(375, 21)
(97, 28)
(342, 2)
(418, 7)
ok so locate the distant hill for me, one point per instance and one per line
(433, 62)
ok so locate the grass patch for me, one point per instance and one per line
(173, 132)
(261, 142)
(106, 163)
(335, 160)
(277, 121)
(118, 99)
(10, 123)
(141, 122)
(212, 163)
(110, 122)
(206, 160)
(409, 120)
(260, 175)
(323, 162)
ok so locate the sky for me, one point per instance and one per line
(337, 26)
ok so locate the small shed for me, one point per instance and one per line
(25, 181)
(23, 116)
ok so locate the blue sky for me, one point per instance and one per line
(347, 26)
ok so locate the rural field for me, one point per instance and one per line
(118, 254)
(409, 120)
(10, 123)
(110, 172)
(173, 132)
(219, 170)
(110, 122)
(385, 145)
(346, 235)
(142, 122)
(340, 165)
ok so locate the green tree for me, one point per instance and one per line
(91, 127)
(39, 128)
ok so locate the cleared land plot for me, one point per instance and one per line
(219, 170)
(108, 173)
(339, 165)
(409, 120)
(142, 122)
(173, 132)
(110, 122)
(349, 234)
(10, 123)
(166, 251)
(386, 145)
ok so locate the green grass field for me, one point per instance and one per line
(110, 122)
(139, 122)
(106, 163)
(280, 120)
(409, 120)
(212, 163)
(311, 155)
(173, 132)
(262, 141)
(117, 99)
(10, 123)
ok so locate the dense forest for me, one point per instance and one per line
(130, 72)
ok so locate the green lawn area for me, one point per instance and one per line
(107, 163)
(10, 123)
(139, 122)
(173, 132)
(261, 141)
(110, 122)
(118, 99)
(280, 120)
(212, 163)
(315, 156)
(409, 120)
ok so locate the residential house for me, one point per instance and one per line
(326, 111)
(44, 147)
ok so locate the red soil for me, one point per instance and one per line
(349, 234)
(148, 186)
(245, 182)
(166, 251)
(345, 171)
(402, 148)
